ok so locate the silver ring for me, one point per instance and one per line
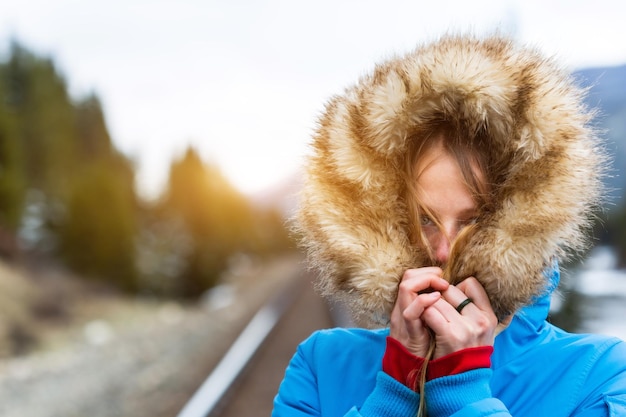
(463, 304)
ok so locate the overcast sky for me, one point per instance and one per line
(243, 81)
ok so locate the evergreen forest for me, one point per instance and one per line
(67, 195)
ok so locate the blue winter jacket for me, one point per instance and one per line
(537, 370)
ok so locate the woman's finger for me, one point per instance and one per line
(440, 316)
(421, 279)
(418, 290)
(415, 281)
(474, 290)
(459, 302)
(458, 323)
(415, 310)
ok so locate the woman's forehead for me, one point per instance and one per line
(442, 188)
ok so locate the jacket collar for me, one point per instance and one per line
(537, 312)
(529, 325)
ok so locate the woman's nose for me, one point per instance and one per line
(443, 243)
(442, 249)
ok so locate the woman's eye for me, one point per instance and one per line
(469, 221)
(426, 221)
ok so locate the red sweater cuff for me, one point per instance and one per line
(459, 362)
(406, 368)
(401, 364)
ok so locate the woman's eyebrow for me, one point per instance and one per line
(469, 212)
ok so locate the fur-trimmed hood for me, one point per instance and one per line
(353, 220)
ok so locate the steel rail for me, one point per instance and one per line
(241, 353)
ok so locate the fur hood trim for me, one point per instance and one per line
(353, 220)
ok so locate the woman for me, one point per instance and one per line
(441, 192)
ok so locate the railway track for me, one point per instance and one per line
(246, 380)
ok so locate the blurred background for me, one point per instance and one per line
(149, 158)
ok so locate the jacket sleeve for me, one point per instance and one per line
(467, 394)
(299, 393)
(389, 398)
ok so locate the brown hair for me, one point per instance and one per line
(472, 160)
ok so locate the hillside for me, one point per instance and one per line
(607, 93)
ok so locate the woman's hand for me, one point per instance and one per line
(475, 325)
(407, 325)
